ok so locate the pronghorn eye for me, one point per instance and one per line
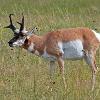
(21, 35)
(16, 37)
(26, 41)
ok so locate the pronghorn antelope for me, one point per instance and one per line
(72, 43)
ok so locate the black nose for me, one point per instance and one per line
(10, 44)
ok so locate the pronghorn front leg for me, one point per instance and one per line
(61, 66)
(52, 68)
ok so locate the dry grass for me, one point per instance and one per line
(24, 76)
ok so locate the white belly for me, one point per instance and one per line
(71, 50)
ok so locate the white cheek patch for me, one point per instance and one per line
(19, 42)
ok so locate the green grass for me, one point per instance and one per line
(24, 76)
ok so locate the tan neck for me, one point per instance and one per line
(39, 44)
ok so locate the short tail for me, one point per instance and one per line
(97, 35)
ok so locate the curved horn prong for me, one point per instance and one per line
(10, 18)
(21, 24)
(11, 26)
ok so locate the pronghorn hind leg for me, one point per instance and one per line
(61, 66)
(96, 67)
(90, 60)
(94, 71)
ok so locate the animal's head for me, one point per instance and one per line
(20, 35)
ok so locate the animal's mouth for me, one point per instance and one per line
(10, 44)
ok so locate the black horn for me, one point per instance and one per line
(11, 26)
(21, 24)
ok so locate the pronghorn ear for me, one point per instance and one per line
(36, 28)
(32, 31)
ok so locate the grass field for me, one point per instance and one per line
(24, 76)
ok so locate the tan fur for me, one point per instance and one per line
(51, 39)
(49, 42)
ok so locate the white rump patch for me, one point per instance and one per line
(97, 35)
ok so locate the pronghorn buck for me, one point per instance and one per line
(72, 43)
